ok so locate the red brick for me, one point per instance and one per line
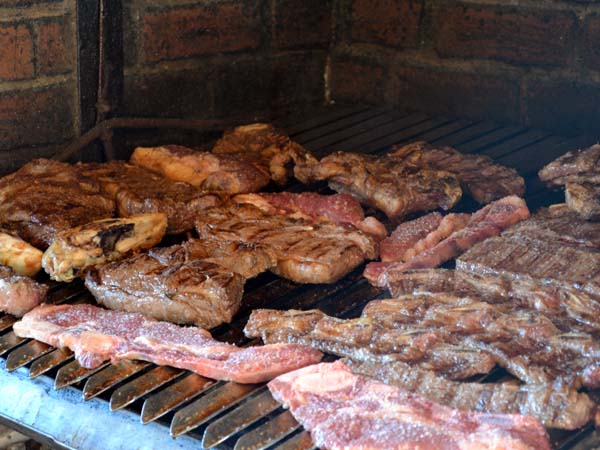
(302, 23)
(37, 117)
(591, 38)
(357, 81)
(54, 46)
(209, 28)
(457, 94)
(523, 36)
(16, 52)
(389, 22)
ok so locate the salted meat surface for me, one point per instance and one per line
(554, 406)
(231, 174)
(45, 197)
(339, 208)
(19, 294)
(576, 166)
(342, 410)
(479, 175)
(489, 221)
(390, 184)
(97, 335)
(138, 191)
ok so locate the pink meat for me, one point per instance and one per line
(342, 410)
(489, 221)
(19, 294)
(97, 335)
(406, 235)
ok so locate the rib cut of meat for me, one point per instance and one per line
(305, 251)
(138, 191)
(390, 184)
(338, 208)
(22, 258)
(488, 221)
(577, 166)
(266, 146)
(554, 407)
(19, 294)
(365, 339)
(97, 335)
(584, 199)
(44, 197)
(479, 176)
(230, 174)
(76, 250)
(343, 410)
(195, 292)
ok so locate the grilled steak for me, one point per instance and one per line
(19, 294)
(553, 406)
(195, 292)
(138, 191)
(365, 339)
(338, 208)
(44, 197)
(231, 174)
(266, 147)
(22, 258)
(97, 335)
(343, 410)
(305, 251)
(577, 166)
(479, 176)
(584, 199)
(76, 250)
(385, 182)
(488, 221)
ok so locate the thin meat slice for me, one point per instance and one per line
(338, 208)
(342, 410)
(489, 221)
(576, 166)
(97, 335)
(19, 294)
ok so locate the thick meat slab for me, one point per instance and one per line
(554, 406)
(386, 182)
(343, 410)
(479, 176)
(97, 335)
(19, 294)
(76, 250)
(489, 221)
(230, 174)
(44, 197)
(195, 292)
(305, 251)
(577, 166)
(266, 146)
(138, 191)
(22, 258)
(584, 199)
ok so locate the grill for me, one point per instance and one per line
(196, 410)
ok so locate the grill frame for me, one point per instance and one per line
(351, 128)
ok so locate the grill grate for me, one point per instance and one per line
(232, 416)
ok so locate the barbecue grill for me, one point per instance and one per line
(46, 394)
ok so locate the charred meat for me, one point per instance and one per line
(577, 166)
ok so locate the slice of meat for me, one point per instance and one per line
(44, 197)
(391, 184)
(577, 166)
(97, 335)
(195, 292)
(266, 146)
(139, 191)
(75, 251)
(22, 258)
(305, 251)
(483, 224)
(230, 174)
(554, 406)
(479, 176)
(343, 410)
(339, 208)
(19, 294)
(584, 198)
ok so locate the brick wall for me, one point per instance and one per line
(224, 57)
(533, 62)
(38, 85)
